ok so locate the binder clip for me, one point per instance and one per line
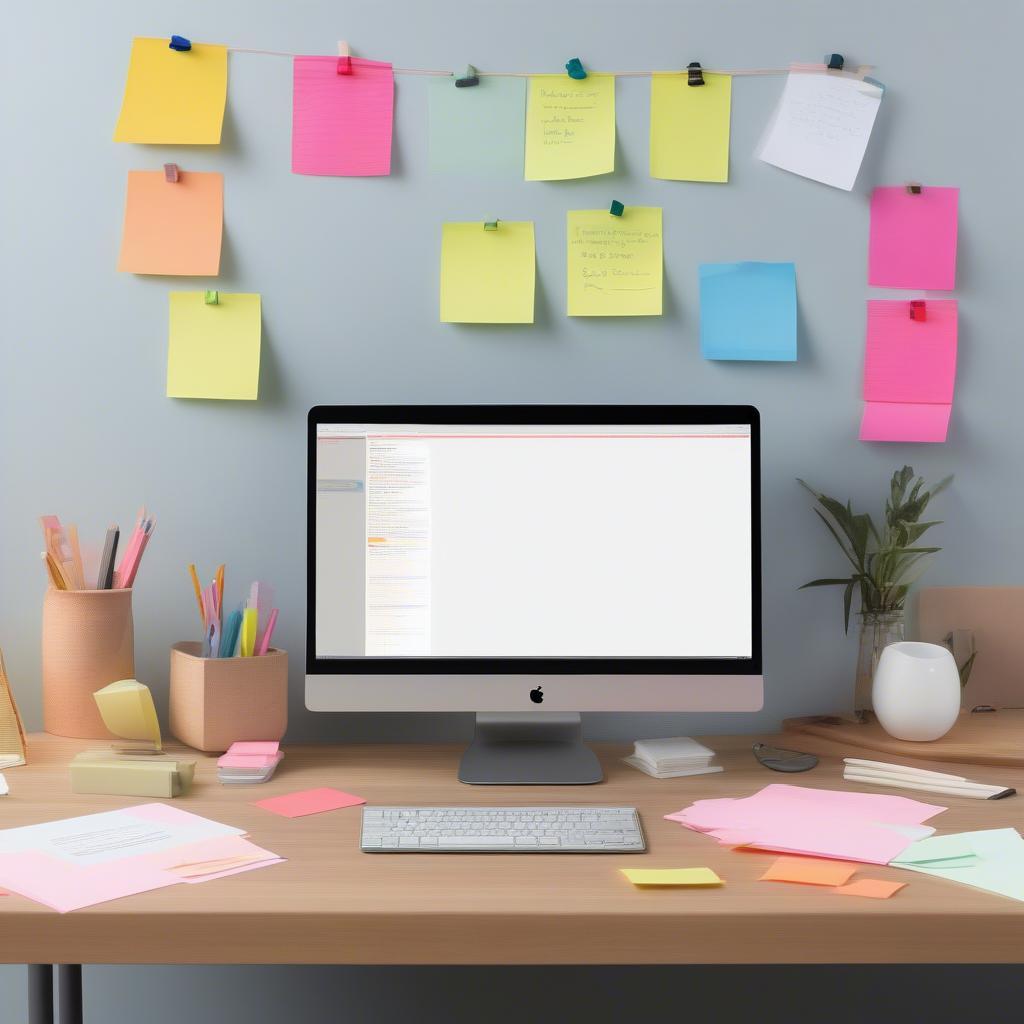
(918, 311)
(344, 58)
(616, 208)
(834, 61)
(172, 172)
(212, 298)
(576, 69)
(468, 79)
(913, 188)
(694, 74)
(490, 225)
(179, 43)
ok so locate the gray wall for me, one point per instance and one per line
(348, 272)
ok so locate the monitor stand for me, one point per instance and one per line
(540, 749)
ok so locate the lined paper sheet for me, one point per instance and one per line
(570, 127)
(488, 277)
(912, 243)
(173, 227)
(748, 311)
(690, 127)
(341, 124)
(174, 98)
(614, 264)
(821, 127)
(478, 130)
(909, 371)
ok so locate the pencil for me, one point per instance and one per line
(199, 592)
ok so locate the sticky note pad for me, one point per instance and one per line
(821, 126)
(341, 124)
(214, 349)
(174, 98)
(309, 801)
(748, 311)
(875, 888)
(487, 276)
(690, 127)
(909, 371)
(479, 130)
(912, 243)
(672, 876)
(614, 264)
(809, 871)
(173, 227)
(570, 127)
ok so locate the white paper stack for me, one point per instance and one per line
(248, 763)
(672, 757)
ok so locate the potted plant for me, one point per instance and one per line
(885, 561)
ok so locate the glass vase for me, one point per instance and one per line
(877, 631)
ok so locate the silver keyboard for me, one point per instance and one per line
(501, 830)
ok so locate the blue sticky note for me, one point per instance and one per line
(748, 311)
(480, 130)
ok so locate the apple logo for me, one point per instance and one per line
(537, 696)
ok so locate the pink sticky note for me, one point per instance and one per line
(341, 124)
(254, 747)
(909, 360)
(912, 242)
(232, 760)
(63, 886)
(309, 801)
(905, 421)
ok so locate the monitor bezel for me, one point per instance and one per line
(515, 415)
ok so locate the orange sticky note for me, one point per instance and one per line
(809, 871)
(876, 888)
(173, 227)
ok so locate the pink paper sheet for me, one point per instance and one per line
(265, 747)
(908, 360)
(309, 801)
(905, 421)
(912, 242)
(813, 822)
(341, 124)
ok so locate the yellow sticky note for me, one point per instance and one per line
(214, 349)
(487, 276)
(570, 127)
(690, 127)
(173, 227)
(614, 264)
(127, 710)
(174, 97)
(672, 876)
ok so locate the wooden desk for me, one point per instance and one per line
(332, 904)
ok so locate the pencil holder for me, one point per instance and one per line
(88, 642)
(215, 702)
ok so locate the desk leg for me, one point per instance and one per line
(69, 993)
(40, 994)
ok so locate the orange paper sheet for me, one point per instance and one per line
(809, 871)
(173, 228)
(875, 888)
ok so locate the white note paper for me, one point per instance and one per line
(821, 127)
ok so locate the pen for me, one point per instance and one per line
(199, 592)
(53, 572)
(105, 579)
(268, 632)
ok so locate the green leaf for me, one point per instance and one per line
(827, 583)
(842, 546)
(847, 600)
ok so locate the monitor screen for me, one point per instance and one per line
(569, 540)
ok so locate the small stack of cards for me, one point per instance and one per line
(249, 762)
(672, 758)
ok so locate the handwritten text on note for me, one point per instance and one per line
(570, 127)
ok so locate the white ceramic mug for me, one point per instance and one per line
(916, 691)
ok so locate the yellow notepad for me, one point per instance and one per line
(672, 876)
(12, 733)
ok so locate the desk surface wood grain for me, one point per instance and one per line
(332, 904)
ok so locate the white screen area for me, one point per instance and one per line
(564, 542)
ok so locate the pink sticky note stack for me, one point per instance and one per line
(909, 371)
(811, 822)
(341, 123)
(912, 242)
(309, 801)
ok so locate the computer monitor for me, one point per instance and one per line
(531, 562)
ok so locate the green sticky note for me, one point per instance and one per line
(479, 130)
